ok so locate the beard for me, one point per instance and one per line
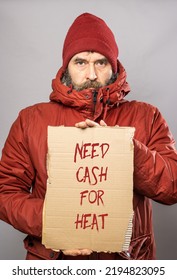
(67, 80)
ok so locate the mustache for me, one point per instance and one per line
(67, 80)
(90, 84)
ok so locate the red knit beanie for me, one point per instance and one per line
(90, 33)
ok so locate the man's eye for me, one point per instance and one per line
(101, 63)
(80, 63)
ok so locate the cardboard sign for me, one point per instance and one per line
(88, 202)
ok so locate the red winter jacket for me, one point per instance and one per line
(23, 165)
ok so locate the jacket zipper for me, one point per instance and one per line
(95, 93)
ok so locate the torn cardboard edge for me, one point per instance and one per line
(88, 201)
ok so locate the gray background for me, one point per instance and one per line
(31, 40)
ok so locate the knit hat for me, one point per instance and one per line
(90, 33)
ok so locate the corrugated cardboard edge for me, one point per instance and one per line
(128, 234)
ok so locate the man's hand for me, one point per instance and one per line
(89, 123)
(77, 252)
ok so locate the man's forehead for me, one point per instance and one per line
(88, 55)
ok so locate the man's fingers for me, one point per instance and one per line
(77, 252)
(71, 252)
(81, 125)
(89, 123)
(86, 123)
(102, 123)
(86, 252)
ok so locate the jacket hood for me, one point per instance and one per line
(108, 96)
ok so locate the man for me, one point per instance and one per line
(88, 90)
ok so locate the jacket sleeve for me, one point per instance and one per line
(18, 206)
(155, 163)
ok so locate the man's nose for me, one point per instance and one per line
(91, 73)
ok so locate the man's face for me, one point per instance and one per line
(89, 70)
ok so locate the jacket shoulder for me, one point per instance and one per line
(142, 105)
(37, 107)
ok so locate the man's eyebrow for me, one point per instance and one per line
(79, 59)
(103, 60)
